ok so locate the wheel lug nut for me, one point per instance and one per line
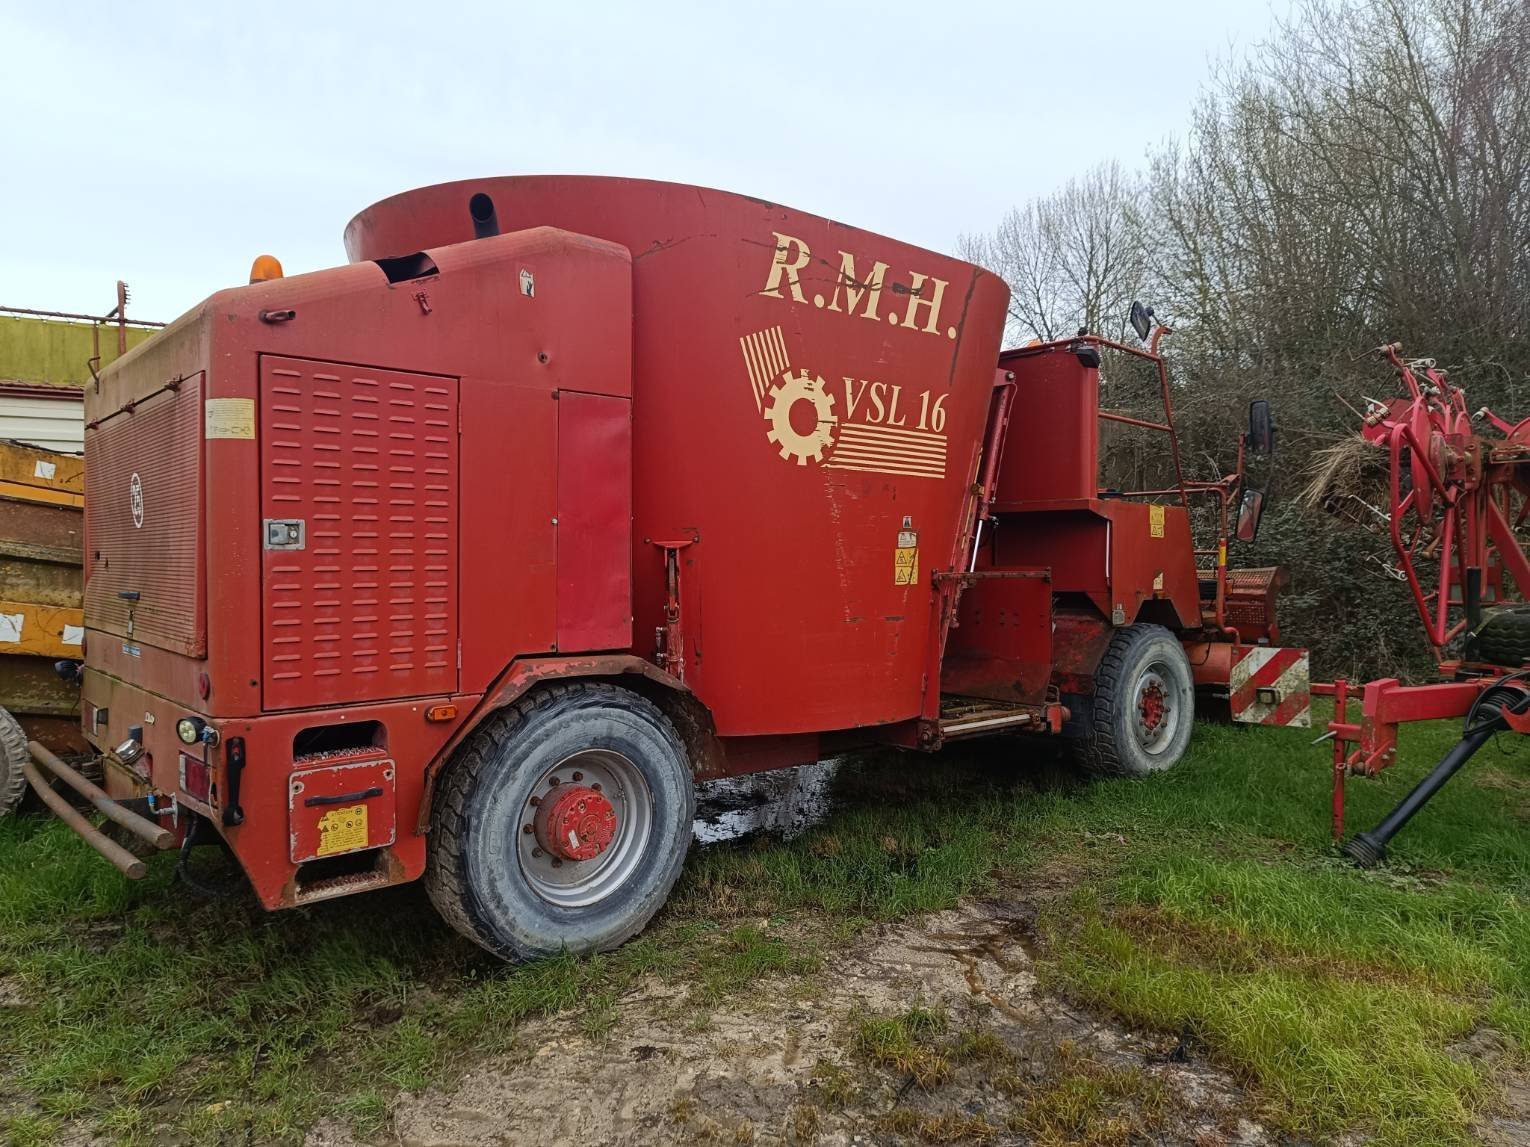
(536, 852)
(554, 781)
(579, 776)
(535, 801)
(528, 829)
(596, 786)
(557, 863)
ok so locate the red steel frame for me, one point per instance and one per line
(1223, 489)
(1457, 486)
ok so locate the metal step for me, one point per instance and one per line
(969, 716)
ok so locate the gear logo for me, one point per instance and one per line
(803, 424)
(787, 396)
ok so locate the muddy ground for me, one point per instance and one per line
(788, 1064)
(1000, 1060)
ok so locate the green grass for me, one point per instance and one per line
(1207, 901)
(902, 1044)
(1069, 1097)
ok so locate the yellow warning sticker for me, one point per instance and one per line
(229, 418)
(343, 830)
(1155, 521)
(906, 565)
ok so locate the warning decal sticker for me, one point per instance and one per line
(230, 418)
(343, 830)
(906, 557)
(1155, 521)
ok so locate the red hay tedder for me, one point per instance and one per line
(464, 560)
(1455, 496)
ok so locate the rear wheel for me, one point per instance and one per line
(1140, 717)
(13, 756)
(563, 823)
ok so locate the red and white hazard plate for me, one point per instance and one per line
(1271, 686)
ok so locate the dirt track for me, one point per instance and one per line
(782, 1065)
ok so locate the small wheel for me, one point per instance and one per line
(562, 823)
(1503, 638)
(1140, 718)
(13, 755)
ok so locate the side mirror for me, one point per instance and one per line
(1250, 510)
(1261, 430)
(1141, 319)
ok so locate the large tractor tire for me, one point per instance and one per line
(13, 755)
(561, 824)
(1139, 719)
(1504, 637)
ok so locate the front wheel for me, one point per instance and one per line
(562, 824)
(1140, 717)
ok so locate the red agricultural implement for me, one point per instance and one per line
(464, 560)
(1456, 493)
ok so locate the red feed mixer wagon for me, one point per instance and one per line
(464, 560)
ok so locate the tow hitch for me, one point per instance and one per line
(125, 862)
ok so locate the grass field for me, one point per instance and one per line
(1207, 903)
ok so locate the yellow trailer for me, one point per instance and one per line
(41, 540)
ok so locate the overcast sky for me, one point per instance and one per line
(168, 144)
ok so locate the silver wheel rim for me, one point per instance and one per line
(1155, 709)
(578, 883)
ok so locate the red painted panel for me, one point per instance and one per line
(343, 807)
(594, 522)
(143, 519)
(1001, 647)
(1070, 543)
(366, 460)
(509, 573)
(1152, 562)
(1052, 450)
(800, 390)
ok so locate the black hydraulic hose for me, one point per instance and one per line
(1483, 719)
(195, 834)
(1367, 849)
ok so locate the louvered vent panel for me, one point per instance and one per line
(143, 489)
(366, 462)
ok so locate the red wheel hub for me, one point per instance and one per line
(1152, 707)
(575, 822)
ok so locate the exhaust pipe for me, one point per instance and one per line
(485, 220)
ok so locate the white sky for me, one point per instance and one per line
(169, 143)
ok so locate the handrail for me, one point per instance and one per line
(76, 317)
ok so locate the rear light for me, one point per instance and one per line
(196, 778)
(96, 718)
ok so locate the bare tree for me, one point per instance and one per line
(1361, 177)
(1072, 259)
